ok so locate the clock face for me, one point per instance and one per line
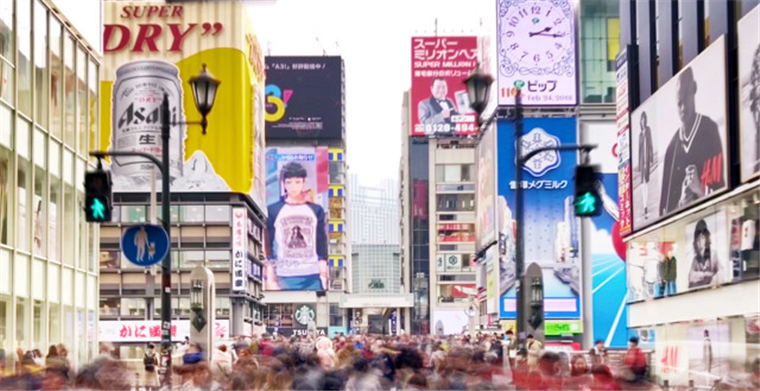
(537, 35)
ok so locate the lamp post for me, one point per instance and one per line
(204, 87)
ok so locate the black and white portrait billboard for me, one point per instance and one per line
(749, 88)
(678, 140)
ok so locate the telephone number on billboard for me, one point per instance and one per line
(446, 128)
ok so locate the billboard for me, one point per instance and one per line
(485, 206)
(440, 105)
(297, 197)
(678, 140)
(304, 98)
(551, 231)
(749, 92)
(154, 48)
(623, 116)
(536, 52)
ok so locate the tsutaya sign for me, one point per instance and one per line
(153, 48)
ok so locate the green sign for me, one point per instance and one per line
(304, 314)
(558, 328)
(519, 84)
(585, 204)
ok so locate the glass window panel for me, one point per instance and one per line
(69, 91)
(68, 166)
(173, 211)
(38, 318)
(69, 232)
(38, 276)
(24, 64)
(66, 292)
(54, 219)
(7, 206)
(23, 130)
(191, 213)
(54, 275)
(54, 158)
(5, 322)
(40, 64)
(92, 248)
(54, 315)
(56, 77)
(79, 289)
(79, 174)
(5, 273)
(218, 213)
(7, 74)
(93, 106)
(68, 325)
(132, 307)
(82, 101)
(6, 126)
(23, 190)
(452, 173)
(222, 306)
(92, 292)
(82, 237)
(22, 321)
(40, 192)
(21, 275)
(6, 32)
(133, 214)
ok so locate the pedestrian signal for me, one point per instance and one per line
(588, 202)
(98, 205)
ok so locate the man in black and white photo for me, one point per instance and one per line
(754, 99)
(646, 158)
(437, 109)
(693, 163)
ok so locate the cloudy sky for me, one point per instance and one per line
(374, 38)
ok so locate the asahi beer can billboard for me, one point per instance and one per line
(155, 48)
(136, 119)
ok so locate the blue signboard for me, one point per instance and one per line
(145, 245)
(551, 231)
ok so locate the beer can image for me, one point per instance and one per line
(136, 119)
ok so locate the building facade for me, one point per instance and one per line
(217, 212)
(49, 114)
(696, 248)
(374, 212)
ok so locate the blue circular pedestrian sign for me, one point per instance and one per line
(145, 245)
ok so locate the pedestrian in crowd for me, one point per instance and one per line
(598, 353)
(635, 362)
(534, 348)
(150, 362)
(580, 374)
(222, 363)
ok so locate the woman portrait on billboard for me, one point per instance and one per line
(705, 266)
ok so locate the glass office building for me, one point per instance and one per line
(48, 122)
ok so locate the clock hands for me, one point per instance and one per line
(546, 30)
(558, 35)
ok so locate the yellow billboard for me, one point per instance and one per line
(154, 48)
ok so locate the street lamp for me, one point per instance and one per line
(204, 87)
(478, 90)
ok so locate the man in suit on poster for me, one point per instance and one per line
(438, 109)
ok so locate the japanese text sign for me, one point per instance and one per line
(150, 330)
(239, 249)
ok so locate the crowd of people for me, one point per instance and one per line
(350, 363)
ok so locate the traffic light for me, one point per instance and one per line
(97, 207)
(588, 202)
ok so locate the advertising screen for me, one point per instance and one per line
(486, 190)
(152, 49)
(439, 101)
(304, 98)
(297, 197)
(551, 228)
(749, 92)
(678, 140)
(536, 52)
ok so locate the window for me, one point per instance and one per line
(54, 317)
(56, 78)
(39, 202)
(39, 321)
(222, 305)
(6, 33)
(191, 213)
(134, 214)
(69, 90)
(218, 213)
(7, 205)
(600, 42)
(455, 202)
(133, 307)
(81, 108)
(69, 211)
(23, 185)
(109, 306)
(336, 318)
(93, 106)
(54, 203)
(40, 64)
(24, 64)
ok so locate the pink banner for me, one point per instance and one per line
(440, 105)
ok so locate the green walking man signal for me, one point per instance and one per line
(588, 202)
(98, 205)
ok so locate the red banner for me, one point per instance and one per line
(440, 105)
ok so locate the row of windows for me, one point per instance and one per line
(455, 173)
(138, 307)
(179, 213)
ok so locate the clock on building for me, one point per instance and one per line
(536, 37)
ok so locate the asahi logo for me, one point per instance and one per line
(132, 116)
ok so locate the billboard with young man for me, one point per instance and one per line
(297, 245)
(749, 89)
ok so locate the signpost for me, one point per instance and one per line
(145, 245)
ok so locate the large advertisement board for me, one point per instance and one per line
(440, 105)
(485, 205)
(623, 116)
(154, 48)
(536, 52)
(304, 98)
(297, 197)
(551, 229)
(678, 140)
(749, 88)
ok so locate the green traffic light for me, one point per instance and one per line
(98, 209)
(585, 204)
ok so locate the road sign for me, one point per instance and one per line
(145, 245)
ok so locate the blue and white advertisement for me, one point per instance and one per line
(552, 232)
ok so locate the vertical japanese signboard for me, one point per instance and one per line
(440, 105)
(239, 251)
(623, 146)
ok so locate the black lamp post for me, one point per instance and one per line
(204, 87)
(478, 90)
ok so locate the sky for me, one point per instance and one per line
(374, 39)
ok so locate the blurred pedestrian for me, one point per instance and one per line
(598, 353)
(150, 362)
(534, 348)
(635, 361)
